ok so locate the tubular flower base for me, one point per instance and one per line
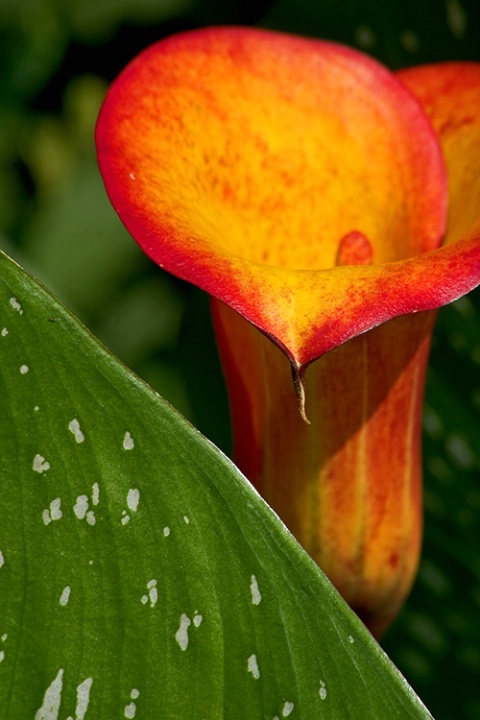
(303, 186)
(349, 484)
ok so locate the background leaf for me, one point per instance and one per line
(139, 569)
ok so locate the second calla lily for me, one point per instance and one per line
(303, 186)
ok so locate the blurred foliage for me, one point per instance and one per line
(56, 60)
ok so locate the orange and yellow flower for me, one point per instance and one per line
(328, 207)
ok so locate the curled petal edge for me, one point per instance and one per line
(308, 313)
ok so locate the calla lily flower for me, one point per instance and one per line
(328, 207)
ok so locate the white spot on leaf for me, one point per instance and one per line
(81, 507)
(82, 512)
(125, 519)
(166, 531)
(186, 519)
(256, 594)
(95, 493)
(135, 693)
(55, 509)
(252, 667)
(152, 593)
(197, 619)
(4, 332)
(16, 305)
(65, 596)
(2, 559)
(2, 656)
(24, 369)
(287, 709)
(40, 465)
(181, 636)
(130, 710)
(133, 498)
(128, 442)
(54, 512)
(52, 699)
(74, 427)
(83, 698)
(323, 690)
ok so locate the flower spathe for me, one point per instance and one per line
(301, 184)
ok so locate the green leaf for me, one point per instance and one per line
(141, 575)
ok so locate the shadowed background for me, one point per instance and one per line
(56, 61)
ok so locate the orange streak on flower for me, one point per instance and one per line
(349, 484)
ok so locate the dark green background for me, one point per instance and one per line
(56, 60)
